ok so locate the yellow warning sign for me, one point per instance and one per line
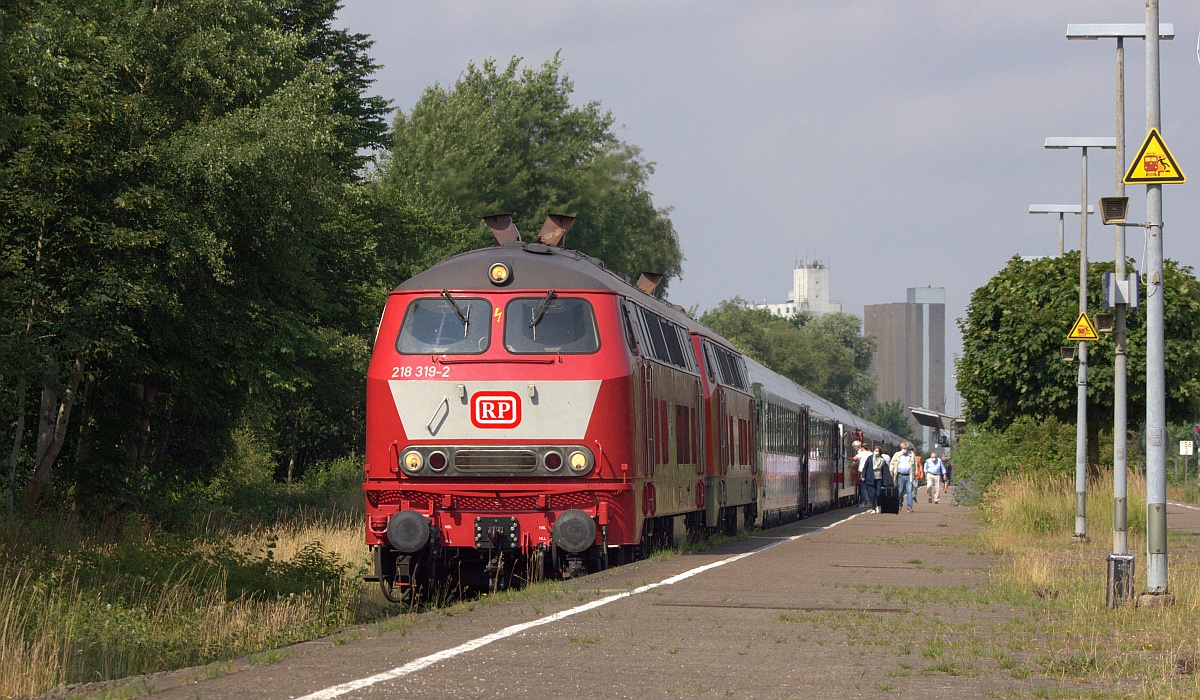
(1154, 163)
(1083, 329)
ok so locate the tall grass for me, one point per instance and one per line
(1153, 653)
(1044, 504)
(128, 595)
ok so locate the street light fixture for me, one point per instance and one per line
(1120, 32)
(1083, 143)
(1062, 210)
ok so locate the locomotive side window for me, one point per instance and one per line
(729, 368)
(452, 326)
(710, 362)
(664, 341)
(564, 325)
(630, 334)
(658, 340)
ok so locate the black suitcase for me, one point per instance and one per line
(889, 500)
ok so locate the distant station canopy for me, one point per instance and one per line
(935, 420)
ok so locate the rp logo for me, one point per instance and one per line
(495, 409)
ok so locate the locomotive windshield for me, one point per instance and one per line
(438, 326)
(550, 324)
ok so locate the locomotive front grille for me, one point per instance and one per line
(489, 461)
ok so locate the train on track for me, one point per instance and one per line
(531, 414)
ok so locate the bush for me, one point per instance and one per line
(1027, 446)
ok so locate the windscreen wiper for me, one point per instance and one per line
(540, 311)
(465, 318)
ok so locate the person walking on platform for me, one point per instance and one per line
(865, 484)
(904, 470)
(935, 472)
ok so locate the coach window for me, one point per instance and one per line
(565, 325)
(446, 325)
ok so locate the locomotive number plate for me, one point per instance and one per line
(421, 372)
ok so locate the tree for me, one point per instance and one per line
(509, 141)
(1016, 323)
(826, 355)
(892, 415)
(187, 245)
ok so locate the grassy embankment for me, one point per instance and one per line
(232, 568)
(1152, 653)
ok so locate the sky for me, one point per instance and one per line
(900, 143)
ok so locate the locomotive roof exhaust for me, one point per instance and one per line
(554, 229)
(503, 228)
(648, 282)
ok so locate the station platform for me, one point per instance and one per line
(846, 604)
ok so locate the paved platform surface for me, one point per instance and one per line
(842, 605)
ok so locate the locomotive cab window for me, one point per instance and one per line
(551, 323)
(446, 325)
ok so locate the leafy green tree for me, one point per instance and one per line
(509, 141)
(1016, 323)
(187, 245)
(892, 415)
(827, 355)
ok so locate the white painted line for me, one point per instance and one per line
(426, 661)
(1182, 505)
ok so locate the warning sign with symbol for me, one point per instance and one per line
(1154, 163)
(1083, 329)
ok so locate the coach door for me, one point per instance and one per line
(803, 447)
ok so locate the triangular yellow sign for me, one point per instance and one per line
(1083, 329)
(1154, 163)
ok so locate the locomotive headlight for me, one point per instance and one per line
(413, 462)
(437, 460)
(553, 460)
(500, 274)
(578, 462)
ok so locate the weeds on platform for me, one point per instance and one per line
(1151, 652)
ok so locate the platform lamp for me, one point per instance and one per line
(1083, 143)
(1062, 210)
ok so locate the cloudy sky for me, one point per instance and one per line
(901, 143)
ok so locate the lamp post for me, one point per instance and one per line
(1062, 210)
(1120, 32)
(1083, 144)
(1156, 380)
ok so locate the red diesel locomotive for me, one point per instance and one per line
(531, 414)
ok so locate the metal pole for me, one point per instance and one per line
(1081, 382)
(1156, 410)
(1120, 417)
(1062, 233)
